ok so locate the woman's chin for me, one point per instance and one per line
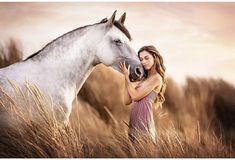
(146, 68)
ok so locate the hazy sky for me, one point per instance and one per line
(196, 39)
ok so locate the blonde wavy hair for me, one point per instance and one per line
(160, 68)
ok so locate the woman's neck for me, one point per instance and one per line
(152, 71)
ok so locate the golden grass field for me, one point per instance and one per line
(196, 120)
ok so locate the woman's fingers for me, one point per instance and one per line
(121, 65)
(125, 69)
(124, 63)
(129, 66)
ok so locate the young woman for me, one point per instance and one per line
(144, 93)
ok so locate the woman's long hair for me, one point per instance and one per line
(160, 68)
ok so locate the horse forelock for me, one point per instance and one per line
(120, 26)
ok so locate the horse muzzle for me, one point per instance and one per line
(136, 72)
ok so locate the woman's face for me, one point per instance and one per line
(146, 59)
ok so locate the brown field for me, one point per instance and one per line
(195, 121)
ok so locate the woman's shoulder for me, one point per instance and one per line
(156, 77)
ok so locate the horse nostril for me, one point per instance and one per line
(137, 71)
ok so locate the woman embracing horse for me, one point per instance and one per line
(143, 94)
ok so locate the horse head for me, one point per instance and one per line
(115, 47)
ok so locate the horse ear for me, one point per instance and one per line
(122, 18)
(111, 19)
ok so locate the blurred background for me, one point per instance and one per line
(196, 40)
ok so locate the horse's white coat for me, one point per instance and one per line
(61, 68)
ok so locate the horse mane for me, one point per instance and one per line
(35, 54)
(120, 26)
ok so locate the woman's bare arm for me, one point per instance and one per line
(144, 88)
(127, 97)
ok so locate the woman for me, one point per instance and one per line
(145, 93)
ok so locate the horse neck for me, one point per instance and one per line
(69, 60)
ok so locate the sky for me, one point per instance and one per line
(195, 39)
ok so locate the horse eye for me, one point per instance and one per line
(118, 41)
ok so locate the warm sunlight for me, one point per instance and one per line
(194, 38)
(68, 91)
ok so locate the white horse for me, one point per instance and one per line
(62, 66)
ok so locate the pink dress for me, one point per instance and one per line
(141, 118)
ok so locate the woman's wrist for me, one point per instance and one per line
(127, 78)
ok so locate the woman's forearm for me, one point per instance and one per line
(131, 88)
(127, 97)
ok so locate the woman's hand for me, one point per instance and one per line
(124, 70)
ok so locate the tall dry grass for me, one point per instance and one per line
(196, 121)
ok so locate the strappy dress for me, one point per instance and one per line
(141, 118)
